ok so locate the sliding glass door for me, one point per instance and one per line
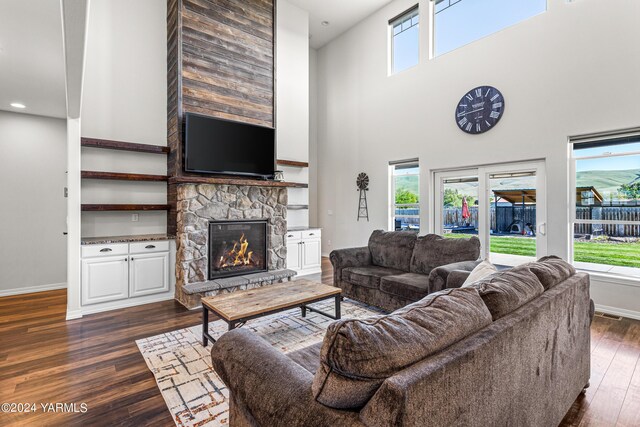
(504, 205)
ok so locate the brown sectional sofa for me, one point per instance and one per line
(512, 349)
(397, 268)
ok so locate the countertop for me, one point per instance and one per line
(125, 239)
(302, 228)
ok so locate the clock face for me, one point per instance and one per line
(480, 109)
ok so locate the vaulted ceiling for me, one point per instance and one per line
(340, 14)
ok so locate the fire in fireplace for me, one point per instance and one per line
(237, 247)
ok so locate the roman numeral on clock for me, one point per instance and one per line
(469, 126)
(478, 92)
(469, 97)
(463, 121)
(494, 115)
(478, 127)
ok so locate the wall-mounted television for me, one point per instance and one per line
(219, 146)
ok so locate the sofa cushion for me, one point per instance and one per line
(411, 286)
(506, 291)
(551, 270)
(392, 249)
(307, 357)
(369, 277)
(358, 355)
(432, 251)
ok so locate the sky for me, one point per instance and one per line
(468, 20)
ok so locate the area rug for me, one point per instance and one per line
(194, 393)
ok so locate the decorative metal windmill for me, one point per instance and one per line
(362, 181)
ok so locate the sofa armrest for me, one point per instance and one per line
(350, 257)
(456, 278)
(439, 275)
(274, 389)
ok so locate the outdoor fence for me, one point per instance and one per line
(612, 213)
(500, 222)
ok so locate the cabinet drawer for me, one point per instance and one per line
(312, 234)
(148, 247)
(89, 251)
(293, 235)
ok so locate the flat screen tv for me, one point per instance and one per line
(218, 146)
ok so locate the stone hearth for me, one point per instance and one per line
(197, 204)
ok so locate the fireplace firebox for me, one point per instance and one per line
(237, 248)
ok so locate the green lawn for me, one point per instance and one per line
(621, 254)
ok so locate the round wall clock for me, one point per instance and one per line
(480, 109)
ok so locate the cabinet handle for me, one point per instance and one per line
(311, 234)
(127, 259)
(106, 250)
(290, 235)
(150, 247)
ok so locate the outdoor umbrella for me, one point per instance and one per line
(465, 210)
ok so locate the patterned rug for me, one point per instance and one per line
(194, 393)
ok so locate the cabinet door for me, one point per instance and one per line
(293, 255)
(311, 254)
(149, 274)
(105, 279)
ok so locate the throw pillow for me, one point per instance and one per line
(482, 270)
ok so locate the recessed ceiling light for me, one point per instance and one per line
(325, 23)
(18, 105)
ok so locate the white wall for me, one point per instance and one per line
(32, 219)
(125, 99)
(292, 101)
(572, 70)
(313, 137)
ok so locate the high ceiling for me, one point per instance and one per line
(341, 15)
(31, 57)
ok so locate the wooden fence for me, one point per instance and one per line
(613, 213)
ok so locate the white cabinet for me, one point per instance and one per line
(148, 274)
(304, 253)
(124, 271)
(105, 279)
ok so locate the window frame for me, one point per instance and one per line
(392, 192)
(573, 199)
(401, 18)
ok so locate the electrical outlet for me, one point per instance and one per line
(329, 212)
(135, 217)
(329, 243)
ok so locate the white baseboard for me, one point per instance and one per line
(98, 308)
(618, 311)
(74, 314)
(32, 289)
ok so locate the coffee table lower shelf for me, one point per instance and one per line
(240, 321)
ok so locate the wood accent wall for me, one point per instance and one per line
(220, 63)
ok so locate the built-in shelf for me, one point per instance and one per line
(132, 207)
(123, 146)
(234, 181)
(297, 207)
(123, 176)
(292, 163)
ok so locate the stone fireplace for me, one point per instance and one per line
(237, 248)
(199, 205)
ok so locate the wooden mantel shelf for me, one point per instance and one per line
(105, 208)
(123, 176)
(123, 146)
(294, 163)
(234, 181)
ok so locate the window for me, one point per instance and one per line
(405, 41)
(460, 22)
(606, 218)
(405, 195)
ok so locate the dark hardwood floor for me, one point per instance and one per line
(94, 360)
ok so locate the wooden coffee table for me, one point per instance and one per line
(237, 308)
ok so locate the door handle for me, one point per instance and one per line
(542, 229)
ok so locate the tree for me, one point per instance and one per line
(406, 197)
(630, 191)
(453, 198)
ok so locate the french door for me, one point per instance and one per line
(504, 205)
